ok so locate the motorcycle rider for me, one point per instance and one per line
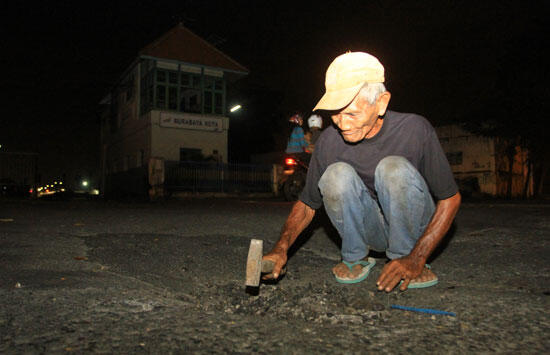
(297, 144)
(293, 179)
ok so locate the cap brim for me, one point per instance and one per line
(336, 100)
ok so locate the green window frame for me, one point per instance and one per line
(147, 86)
(214, 98)
(181, 91)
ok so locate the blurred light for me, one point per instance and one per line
(235, 108)
(94, 192)
(290, 161)
(84, 183)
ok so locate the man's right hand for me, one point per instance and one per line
(278, 257)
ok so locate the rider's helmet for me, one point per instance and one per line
(315, 121)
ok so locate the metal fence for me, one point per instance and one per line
(214, 177)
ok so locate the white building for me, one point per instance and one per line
(170, 103)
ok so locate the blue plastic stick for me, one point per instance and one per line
(423, 310)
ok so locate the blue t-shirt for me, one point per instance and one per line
(297, 141)
(403, 134)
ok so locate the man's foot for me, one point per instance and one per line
(426, 279)
(353, 272)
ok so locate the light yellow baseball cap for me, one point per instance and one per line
(346, 75)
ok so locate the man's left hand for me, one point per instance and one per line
(406, 268)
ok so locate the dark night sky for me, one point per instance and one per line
(444, 59)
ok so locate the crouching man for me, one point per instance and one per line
(383, 178)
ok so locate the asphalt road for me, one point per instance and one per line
(168, 277)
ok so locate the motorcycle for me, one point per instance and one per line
(295, 172)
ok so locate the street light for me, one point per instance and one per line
(235, 108)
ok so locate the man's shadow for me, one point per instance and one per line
(444, 243)
(320, 220)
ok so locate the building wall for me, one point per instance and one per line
(484, 160)
(131, 147)
(471, 157)
(126, 138)
(172, 131)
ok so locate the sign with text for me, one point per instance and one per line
(174, 120)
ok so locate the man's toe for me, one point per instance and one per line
(427, 276)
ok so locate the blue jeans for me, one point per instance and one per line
(393, 224)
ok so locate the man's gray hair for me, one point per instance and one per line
(371, 91)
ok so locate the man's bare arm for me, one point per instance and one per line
(299, 218)
(411, 266)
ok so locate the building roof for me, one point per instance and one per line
(183, 45)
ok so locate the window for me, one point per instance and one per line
(213, 95)
(179, 91)
(161, 76)
(161, 96)
(173, 97)
(130, 88)
(190, 154)
(173, 77)
(146, 86)
(185, 79)
(454, 158)
(218, 103)
(139, 158)
(190, 93)
(207, 101)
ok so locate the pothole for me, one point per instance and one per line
(311, 303)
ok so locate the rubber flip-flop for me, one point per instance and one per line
(367, 266)
(423, 284)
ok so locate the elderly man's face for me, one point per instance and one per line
(358, 120)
